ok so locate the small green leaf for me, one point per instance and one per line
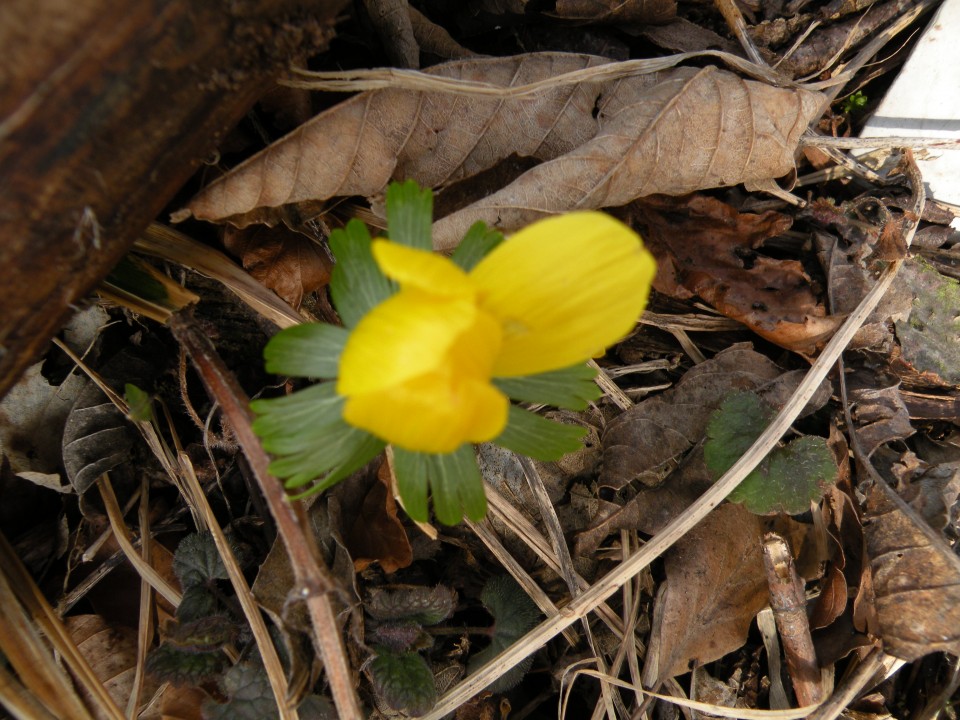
(180, 667)
(423, 605)
(204, 634)
(404, 681)
(453, 480)
(572, 388)
(140, 403)
(410, 215)
(357, 285)
(476, 245)
(310, 350)
(733, 428)
(197, 602)
(514, 615)
(536, 437)
(248, 692)
(787, 480)
(197, 561)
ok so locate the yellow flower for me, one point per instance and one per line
(417, 369)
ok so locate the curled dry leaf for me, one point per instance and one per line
(602, 143)
(916, 581)
(705, 247)
(287, 262)
(715, 586)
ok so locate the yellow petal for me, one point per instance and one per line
(563, 288)
(433, 413)
(407, 335)
(421, 269)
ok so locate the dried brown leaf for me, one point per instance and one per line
(705, 247)
(287, 262)
(916, 581)
(715, 586)
(604, 143)
(642, 12)
(881, 416)
(111, 652)
(376, 533)
(675, 132)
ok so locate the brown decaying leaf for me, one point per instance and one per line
(881, 416)
(715, 586)
(287, 262)
(705, 247)
(916, 582)
(603, 143)
(377, 534)
(641, 12)
(111, 652)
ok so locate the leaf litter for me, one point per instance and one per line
(880, 573)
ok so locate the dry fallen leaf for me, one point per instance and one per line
(916, 581)
(111, 652)
(705, 247)
(603, 143)
(287, 262)
(376, 533)
(715, 586)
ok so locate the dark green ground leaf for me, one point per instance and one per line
(423, 605)
(248, 692)
(787, 480)
(180, 667)
(476, 245)
(396, 636)
(529, 434)
(310, 350)
(514, 614)
(357, 284)
(410, 215)
(572, 388)
(453, 480)
(404, 681)
(204, 634)
(197, 602)
(197, 561)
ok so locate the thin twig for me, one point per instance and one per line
(314, 583)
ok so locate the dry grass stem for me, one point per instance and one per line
(41, 674)
(121, 533)
(415, 80)
(489, 538)
(313, 582)
(268, 653)
(166, 243)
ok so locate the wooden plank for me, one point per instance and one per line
(106, 108)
